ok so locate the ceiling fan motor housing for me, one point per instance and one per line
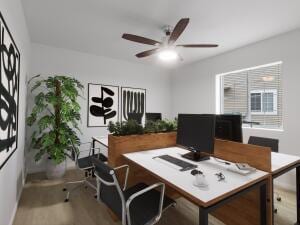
(168, 30)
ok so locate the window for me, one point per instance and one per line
(255, 93)
(264, 102)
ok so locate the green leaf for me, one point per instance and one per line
(36, 85)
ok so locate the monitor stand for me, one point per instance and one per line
(196, 156)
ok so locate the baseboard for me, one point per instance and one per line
(14, 213)
(11, 222)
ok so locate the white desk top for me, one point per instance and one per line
(102, 140)
(183, 181)
(281, 161)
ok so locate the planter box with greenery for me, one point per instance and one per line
(55, 118)
(131, 137)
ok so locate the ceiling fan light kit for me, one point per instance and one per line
(166, 50)
(168, 54)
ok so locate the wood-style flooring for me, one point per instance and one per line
(42, 203)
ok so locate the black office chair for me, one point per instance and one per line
(266, 142)
(83, 164)
(137, 205)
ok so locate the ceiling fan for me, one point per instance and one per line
(166, 48)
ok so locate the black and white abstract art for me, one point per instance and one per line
(9, 93)
(103, 105)
(133, 100)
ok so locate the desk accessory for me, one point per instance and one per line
(244, 166)
(200, 181)
(241, 168)
(220, 176)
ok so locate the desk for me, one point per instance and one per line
(218, 193)
(281, 164)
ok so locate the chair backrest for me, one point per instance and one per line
(110, 191)
(264, 142)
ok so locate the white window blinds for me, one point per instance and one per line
(256, 93)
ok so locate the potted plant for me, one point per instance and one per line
(55, 118)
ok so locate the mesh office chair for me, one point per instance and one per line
(137, 205)
(83, 164)
(266, 142)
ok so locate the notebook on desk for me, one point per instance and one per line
(233, 168)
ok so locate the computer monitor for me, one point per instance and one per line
(229, 127)
(196, 132)
(136, 117)
(153, 116)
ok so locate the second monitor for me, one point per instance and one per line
(196, 132)
(229, 127)
(153, 117)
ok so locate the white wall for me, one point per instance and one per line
(13, 173)
(193, 86)
(88, 68)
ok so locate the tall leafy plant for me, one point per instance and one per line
(55, 116)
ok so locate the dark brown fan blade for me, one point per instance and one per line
(139, 39)
(179, 28)
(147, 53)
(199, 46)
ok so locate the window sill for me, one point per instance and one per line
(267, 129)
(264, 114)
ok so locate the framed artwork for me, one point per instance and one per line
(133, 100)
(103, 105)
(9, 93)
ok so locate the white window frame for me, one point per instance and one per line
(261, 92)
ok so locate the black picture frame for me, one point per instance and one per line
(12, 48)
(88, 103)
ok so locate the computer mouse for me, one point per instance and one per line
(195, 172)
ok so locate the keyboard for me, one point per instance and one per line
(178, 162)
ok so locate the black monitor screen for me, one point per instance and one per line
(229, 127)
(136, 117)
(196, 131)
(153, 116)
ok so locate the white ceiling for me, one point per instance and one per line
(96, 26)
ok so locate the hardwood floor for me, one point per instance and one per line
(42, 203)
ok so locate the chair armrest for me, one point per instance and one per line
(145, 190)
(126, 176)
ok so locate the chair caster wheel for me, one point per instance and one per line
(275, 211)
(95, 196)
(279, 199)
(65, 189)
(66, 200)
(85, 187)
